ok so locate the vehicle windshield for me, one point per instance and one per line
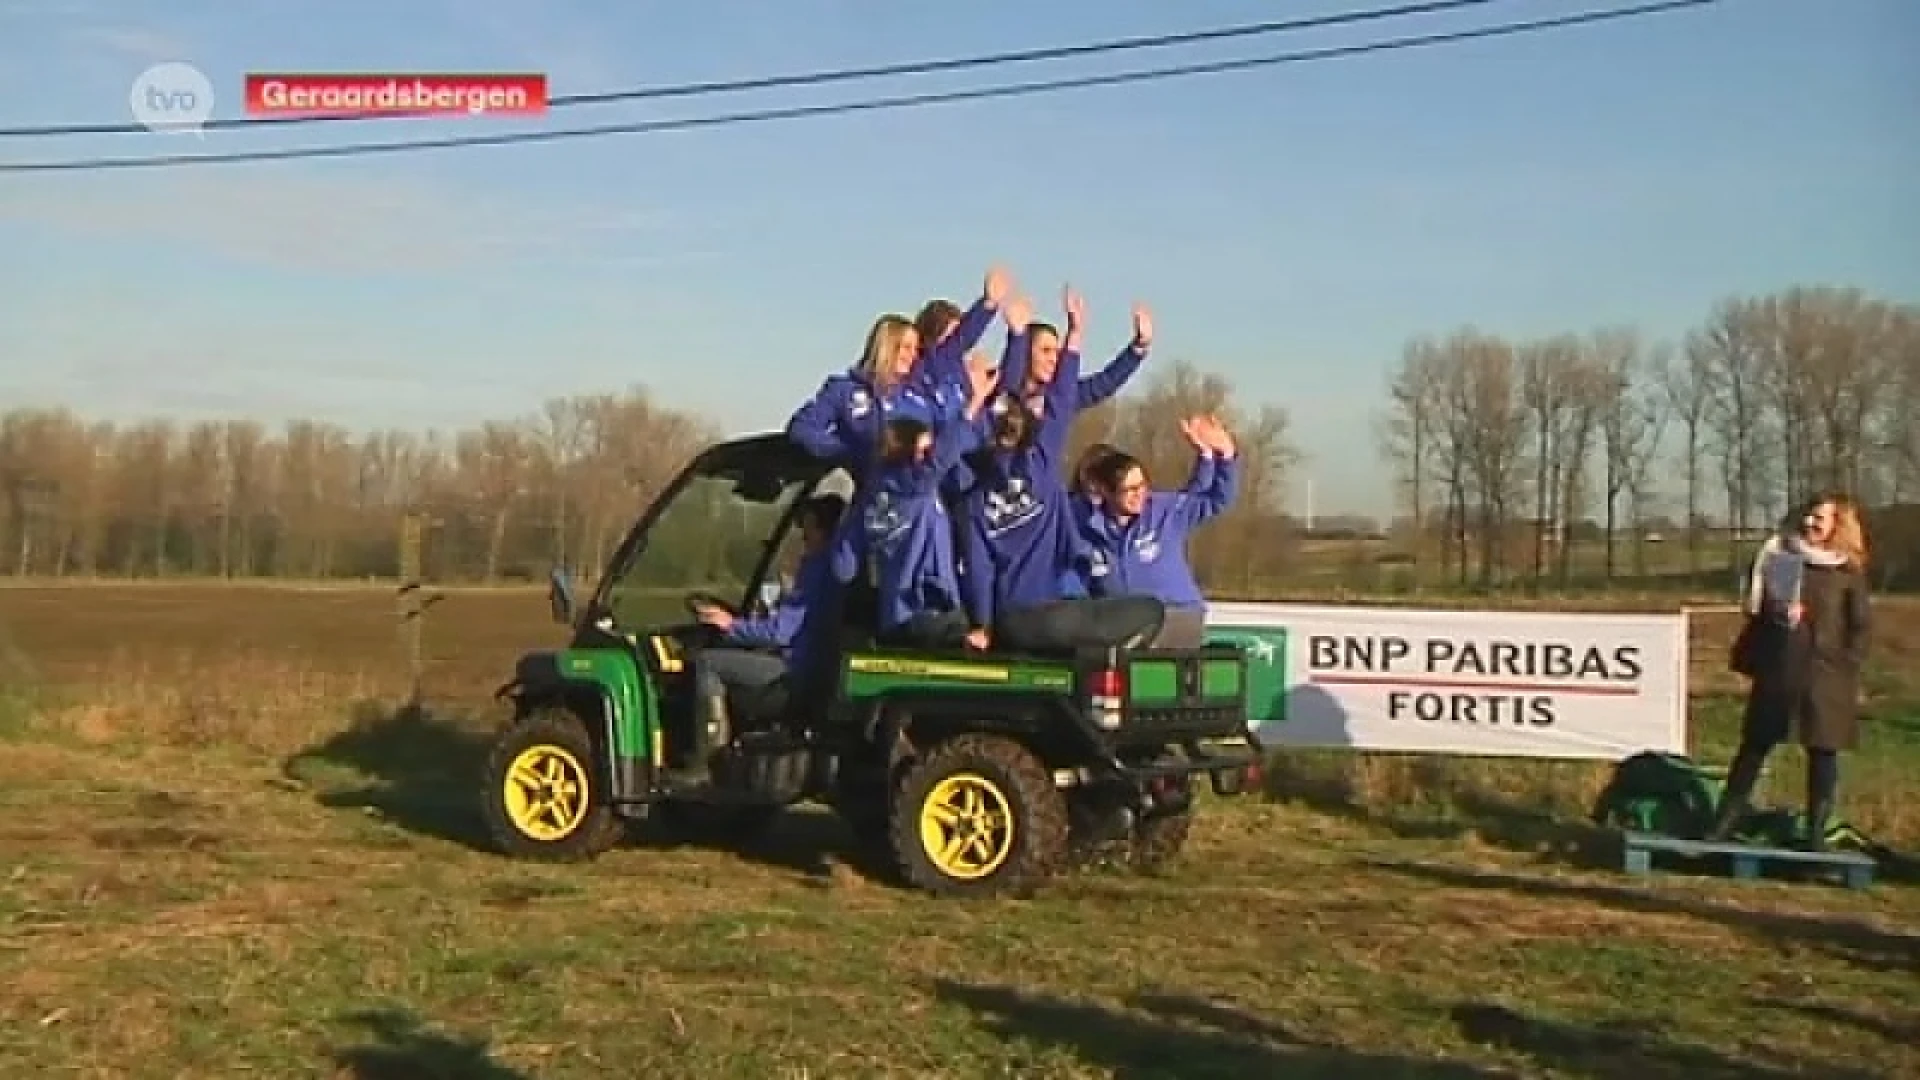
(708, 539)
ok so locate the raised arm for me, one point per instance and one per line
(1014, 358)
(1200, 480)
(943, 365)
(1108, 381)
(1196, 507)
(1061, 396)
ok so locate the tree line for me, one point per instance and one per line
(502, 501)
(1506, 451)
(1532, 462)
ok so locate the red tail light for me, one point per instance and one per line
(1108, 683)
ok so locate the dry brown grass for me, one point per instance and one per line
(226, 855)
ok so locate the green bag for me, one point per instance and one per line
(1658, 792)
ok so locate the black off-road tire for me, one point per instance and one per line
(563, 736)
(1038, 811)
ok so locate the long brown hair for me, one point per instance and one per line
(934, 319)
(1849, 527)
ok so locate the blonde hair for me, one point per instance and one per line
(883, 342)
(1849, 528)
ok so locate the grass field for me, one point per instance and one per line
(226, 853)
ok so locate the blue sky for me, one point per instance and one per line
(1291, 226)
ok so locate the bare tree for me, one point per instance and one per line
(1686, 382)
(1488, 395)
(1410, 430)
(1549, 386)
(1734, 343)
(1628, 425)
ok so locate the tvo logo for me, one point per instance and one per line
(172, 97)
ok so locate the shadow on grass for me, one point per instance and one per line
(1850, 940)
(422, 771)
(1901, 1032)
(1468, 813)
(414, 768)
(1618, 1053)
(801, 841)
(1160, 1035)
(399, 1048)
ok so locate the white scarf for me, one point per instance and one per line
(1814, 554)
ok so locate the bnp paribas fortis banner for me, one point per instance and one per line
(1499, 683)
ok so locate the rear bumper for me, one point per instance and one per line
(1231, 762)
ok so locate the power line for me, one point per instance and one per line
(819, 78)
(1009, 90)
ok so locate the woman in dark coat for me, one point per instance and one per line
(1806, 651)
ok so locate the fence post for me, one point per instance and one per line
(414, 602)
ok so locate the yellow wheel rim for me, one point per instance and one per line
(546, 792)
(966, 826)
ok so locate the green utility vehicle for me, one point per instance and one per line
(975, 773)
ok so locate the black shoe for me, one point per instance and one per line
(1817, 817)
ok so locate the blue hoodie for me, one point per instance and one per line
(899, 522)
(843, 420)
(1020, 538)
(779, 628)
(1109, 380)
(1148, 555)
(1199, 481)
(941, 374)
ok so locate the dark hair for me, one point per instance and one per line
(1086, 472)
(1014, 425)
(899, 437)
(1110, 470)
(934, 319)
(1041, 328)
(822, 511)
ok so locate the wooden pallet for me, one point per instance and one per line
(1856, 870)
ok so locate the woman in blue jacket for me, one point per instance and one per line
(947, 334)
(1045, 348)
(756, 651)
(843, 419)
(1138, 536)
(898, 528)
(1020, 540)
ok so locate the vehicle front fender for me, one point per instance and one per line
(605, 691)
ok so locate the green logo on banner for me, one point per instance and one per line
(1266, 648)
